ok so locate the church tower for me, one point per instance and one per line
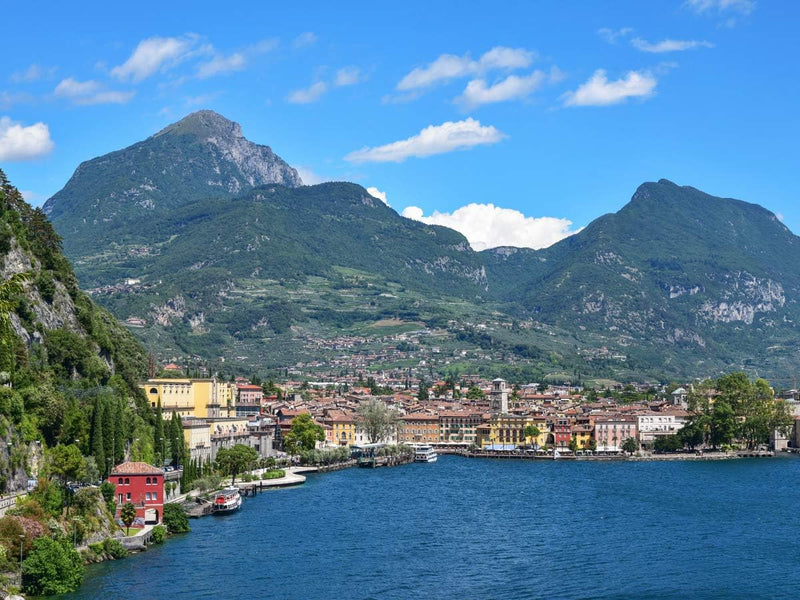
(499, 396)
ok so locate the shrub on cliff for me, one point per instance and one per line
(52, 567)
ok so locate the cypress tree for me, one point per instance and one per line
(108, 434)
(158, 436)
(120, 431)
(96, 445)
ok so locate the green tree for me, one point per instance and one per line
(66, 462)
(722, 425)
(96, 442)
(175, 519)
(303, 435)
(630, 445)
(159, 440)
(531, 433)
(177, 444)
(232, 461)
(52, 567)
(422, 391)
(376, 420)
(9, 290)
(128, 515)
(668, 443)
(475, 393)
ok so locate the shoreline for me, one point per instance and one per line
(705, 456)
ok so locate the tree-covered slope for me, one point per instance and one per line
(68, 369)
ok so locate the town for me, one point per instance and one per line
(471, 414)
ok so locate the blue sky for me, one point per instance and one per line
(546, 109)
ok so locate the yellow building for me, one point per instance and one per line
(342, 428)
(509, 430)
(199, 398)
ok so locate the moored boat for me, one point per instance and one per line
(227, 500)
(425, 454)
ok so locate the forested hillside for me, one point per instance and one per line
(68, 369)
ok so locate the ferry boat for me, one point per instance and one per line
(425, 454)
(227, 500)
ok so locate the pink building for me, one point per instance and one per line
(248, 400)
(610, 431)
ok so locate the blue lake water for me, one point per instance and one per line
(470, 528)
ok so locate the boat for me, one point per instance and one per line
(425, 454)
(227, 500)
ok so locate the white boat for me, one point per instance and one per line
(227, 500)
(425, 454)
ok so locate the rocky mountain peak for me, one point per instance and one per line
(204, 124)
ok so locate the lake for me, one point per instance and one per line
(474, 528)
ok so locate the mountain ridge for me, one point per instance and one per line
(674, 273)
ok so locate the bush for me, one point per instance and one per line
(114, 548)
(52, 567)
(159, 534)
(273, 474)
(175, 519)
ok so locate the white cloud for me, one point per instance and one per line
(153, 54)
(31, 197)
(512, 87)
(376, 193)
(434, 139)
(310, 94)
(599, 91)
(490, 226)
(611, 35)
(221, 64)
(32, 73)
(90, 92)
(18, 142)
(69, 88)
(450, 66)
(348, 76)
(743, 7)
(309, 177)
(669, 45)
(8, 99)
(304, 39)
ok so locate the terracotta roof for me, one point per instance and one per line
(136, 468)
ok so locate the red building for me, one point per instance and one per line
(143, 485)
(562, 432)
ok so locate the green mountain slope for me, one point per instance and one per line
(676, 282)
(707, 279)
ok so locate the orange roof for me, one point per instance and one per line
(136, 468)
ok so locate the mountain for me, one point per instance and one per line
(265, 272)
(675, 271)
(203, 155)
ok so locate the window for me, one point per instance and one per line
(119, 481)
(127, 481)
(148, 481)
(128, 496)
(154, 496)
(147, 496)
(120, 498)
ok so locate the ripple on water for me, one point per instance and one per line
(462, 528)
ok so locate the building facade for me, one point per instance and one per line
(143, 486)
